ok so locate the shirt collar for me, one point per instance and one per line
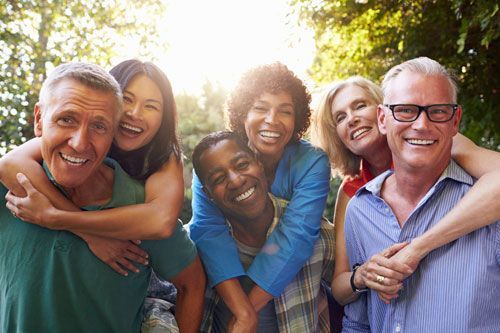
(123, 191)
(453, 171)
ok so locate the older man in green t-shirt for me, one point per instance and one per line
(49, 280)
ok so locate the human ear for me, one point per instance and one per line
(456, 119)
(381, 119)
(207, 192)
(38, 120)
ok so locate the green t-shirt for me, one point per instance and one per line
(51, 282)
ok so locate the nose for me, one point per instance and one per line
(135, 111)
(271, 116)
(79, 141)
(421, 122)
(235, 180)
(352, 119)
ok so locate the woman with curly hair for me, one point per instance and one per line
(345, 126)
(269, 108)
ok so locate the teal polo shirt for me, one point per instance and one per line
(51, 282)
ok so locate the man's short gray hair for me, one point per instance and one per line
(91, 75)
(421, 65)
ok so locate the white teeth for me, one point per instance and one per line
(359, 132)
(73, 160)
(269, 134)
(131, 128)
(245, 195)
(420, 141)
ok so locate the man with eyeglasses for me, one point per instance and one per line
(456, 288)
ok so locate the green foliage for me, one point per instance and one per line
(369, 37)
(198, 116)
(36, 36)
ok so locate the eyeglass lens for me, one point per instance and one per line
(437, 113)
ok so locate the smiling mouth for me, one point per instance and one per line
(358, 132)
(245, 195)
(73, 160)
(270, 134)
(420, 142)
(130, 129)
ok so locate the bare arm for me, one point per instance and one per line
(365, 276)
(244, 314)
(190, 284)
(162, 206)
(164, 198)
(478, 208)
(341, 287)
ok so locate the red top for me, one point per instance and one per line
(351, 184)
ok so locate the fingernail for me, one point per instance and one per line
(137, 271)
(125, 274)
(146, 262)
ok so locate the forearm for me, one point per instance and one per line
(141, 221)
(341, 288)
(190, 297)
(236, 300)
(259, 298)
(478, 208)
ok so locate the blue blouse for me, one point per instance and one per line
(302, 177)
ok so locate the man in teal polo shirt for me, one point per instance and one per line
(49, 280)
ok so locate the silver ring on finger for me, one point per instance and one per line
(380, 279)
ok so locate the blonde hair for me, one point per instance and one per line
(324, 130)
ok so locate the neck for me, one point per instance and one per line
(253, 232)
(379, 161)
(96, 190)
(404, 189)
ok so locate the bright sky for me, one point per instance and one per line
(217, 40)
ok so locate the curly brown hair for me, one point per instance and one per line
(272, 78)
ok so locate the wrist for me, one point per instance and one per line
(357, 283)
(51, 219)
(421, 246)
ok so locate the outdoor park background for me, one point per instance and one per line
(204, 46)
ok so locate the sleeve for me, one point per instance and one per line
(355, 313)
(209, 231)
(172, 255)
(292, 242)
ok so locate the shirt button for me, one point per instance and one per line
(398, 328)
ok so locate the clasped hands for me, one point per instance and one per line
(385, 272)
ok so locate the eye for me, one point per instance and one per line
(404, 109)
(259, 108)
(242, 165)
(287, 112)
(127, 99)
(218, 180)
(100, 128)
(339, 118)
(65, 121)
(152, 107)
(360, 106)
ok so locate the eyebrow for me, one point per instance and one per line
(147, 100)
(267, 103)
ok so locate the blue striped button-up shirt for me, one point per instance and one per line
(456, 288)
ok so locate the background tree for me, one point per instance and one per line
(368, 37)
(36, 36)
(198, 116)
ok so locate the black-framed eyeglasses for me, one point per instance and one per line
(438, 113)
